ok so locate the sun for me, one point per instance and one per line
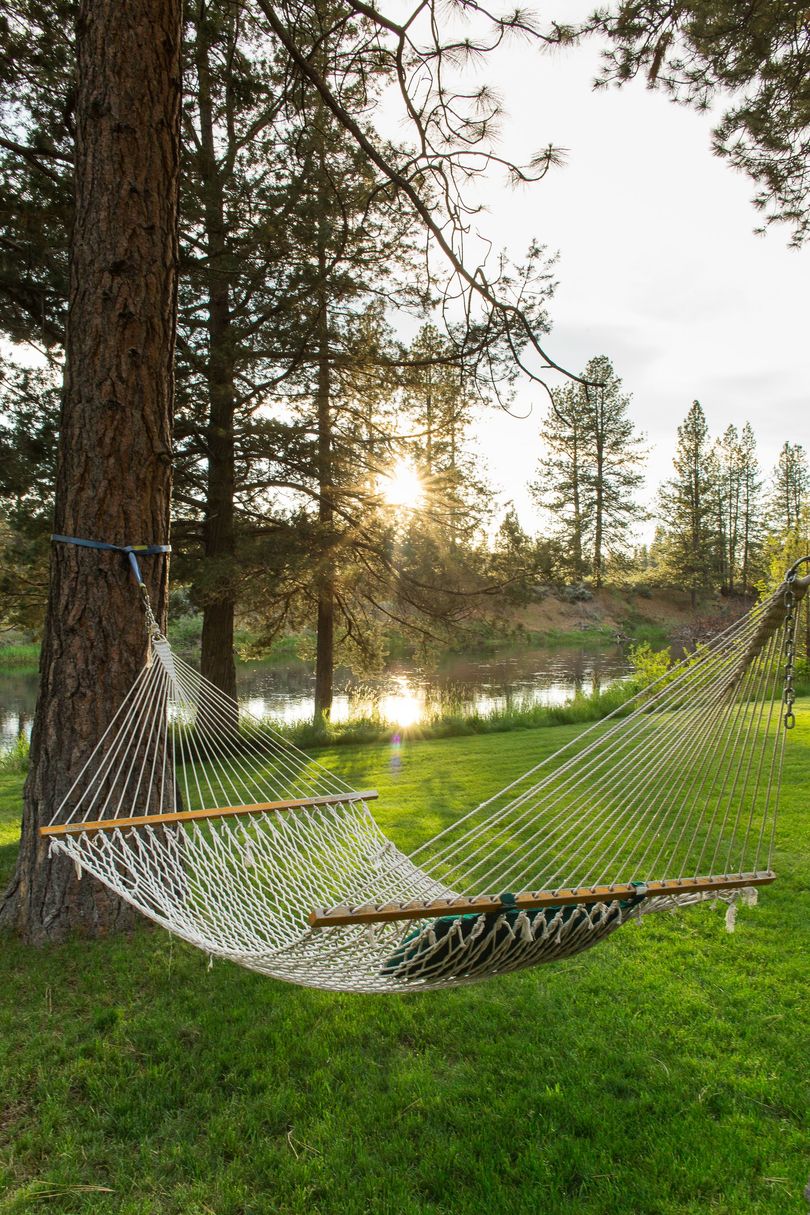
(402, 486)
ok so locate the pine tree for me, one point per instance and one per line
(751, 514)
(340, 328)
(790, 488)
(561, 484)
(114, 470)
(729, 482)
(688, 506)
(589, 478)
(613, 477)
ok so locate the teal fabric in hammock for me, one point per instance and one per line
(414, 949)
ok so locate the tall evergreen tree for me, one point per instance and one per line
(114, 472)
(589, 478)
(561, 487)
(688, 508)
(729, 474)
(349, 272)
(751, 513)
(616, 454)
(790, 488)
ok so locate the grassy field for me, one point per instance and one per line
(664, 1073)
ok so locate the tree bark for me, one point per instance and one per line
(217, 657)
(599, 498)
(576, 547)
(325, 640)
(325, 636)
(113, 478)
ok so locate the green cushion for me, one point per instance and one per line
(413, 947)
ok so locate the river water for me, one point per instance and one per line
(405, 695)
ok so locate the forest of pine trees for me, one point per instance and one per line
(301, 522)
(300, 411)
(722, 522)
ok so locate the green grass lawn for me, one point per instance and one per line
(664, 1073)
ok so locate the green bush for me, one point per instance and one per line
(16, 758)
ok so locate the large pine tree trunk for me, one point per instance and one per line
(576, 536)
(325, 639)
(217, 657)
(114, 466)
(599, 508)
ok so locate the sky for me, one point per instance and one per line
(659, 267)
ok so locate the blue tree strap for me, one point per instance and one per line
(129, 550)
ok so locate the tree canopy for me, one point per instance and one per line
(752, 60)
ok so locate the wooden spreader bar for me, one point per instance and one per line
(190, 816)
(531, 900)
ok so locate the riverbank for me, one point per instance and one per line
(559, 616)
(375, 728)
(18, 656)
(663, 1073)
(368, 729)
(581, 708)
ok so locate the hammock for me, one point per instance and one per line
(217, 827)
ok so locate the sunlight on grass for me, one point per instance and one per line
(664, 1073)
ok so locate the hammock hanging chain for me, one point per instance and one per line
(152, 626)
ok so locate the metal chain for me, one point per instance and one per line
(789, 695)
(152, 626)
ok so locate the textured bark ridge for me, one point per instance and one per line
(325, 644)
(217, 661)
(114, 471)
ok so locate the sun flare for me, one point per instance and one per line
(402, 486)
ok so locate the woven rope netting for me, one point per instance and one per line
(681, 782)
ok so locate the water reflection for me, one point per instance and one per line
(406, 695)
(18, 697)
(463, 684)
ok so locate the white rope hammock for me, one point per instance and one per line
(217, 827)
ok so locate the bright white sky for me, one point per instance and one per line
(659, 266)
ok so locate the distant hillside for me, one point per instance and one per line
(622, 610)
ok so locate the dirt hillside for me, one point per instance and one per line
(559, 611)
